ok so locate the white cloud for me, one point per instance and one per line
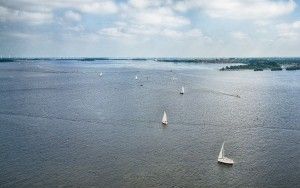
(159, 23)
(141, 3)
(154, 12)
(145, 32)
(19, 35)
(159, 17)
(171, 33)
(42, 11)
(239, 35)
(72, 16)
(101, 7)
(194, 33)
(146, 19)
(77, 28)
(25, 16)
(239, 9)
(114, 32)
(289, 30)
(86, 6)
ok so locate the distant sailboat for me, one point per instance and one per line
(136, 77)
(222, 158)
(182, 90)
(100, 74)
(165, 119)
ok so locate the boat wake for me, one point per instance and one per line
(221, 93)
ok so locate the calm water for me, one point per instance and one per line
(63, 125)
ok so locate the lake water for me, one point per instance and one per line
(61, 124)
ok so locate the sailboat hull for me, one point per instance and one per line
(226, 161)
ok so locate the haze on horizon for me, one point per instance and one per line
(149, 28)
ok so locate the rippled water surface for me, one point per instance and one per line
(64, 125)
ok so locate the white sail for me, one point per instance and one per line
(136, 77)
(221, 154)
(165, 118)
(182, 90)
(100, 74)
(222, 158)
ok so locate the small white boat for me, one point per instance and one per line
(100, 74)
(165, 119)
(222, 158)
(136, 77)
(182, 90)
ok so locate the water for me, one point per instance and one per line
(63, 125)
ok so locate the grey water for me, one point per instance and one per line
(62, 125)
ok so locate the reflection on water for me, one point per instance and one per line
(63, 125)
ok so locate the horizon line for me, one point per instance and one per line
(136, 57)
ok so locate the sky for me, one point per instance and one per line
(149, 28)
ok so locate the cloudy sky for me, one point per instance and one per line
(149, 28)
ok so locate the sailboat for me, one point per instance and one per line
(100, 74)
(136, 77)
(182, 90)
(222, 158)
(165, 119)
